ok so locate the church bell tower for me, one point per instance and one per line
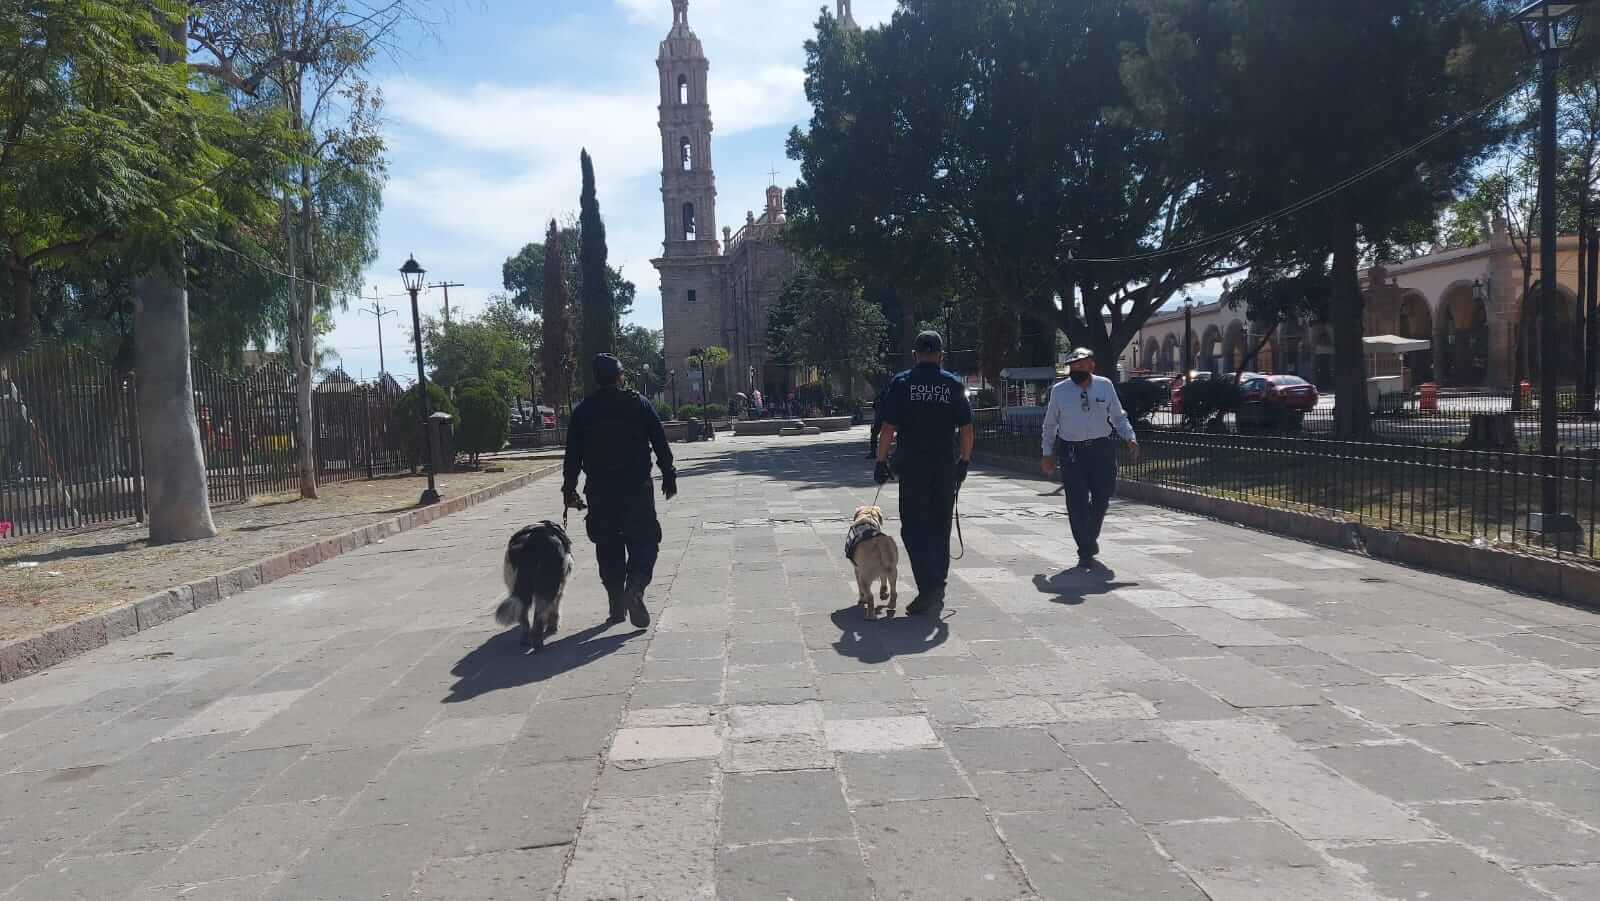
(688, 184)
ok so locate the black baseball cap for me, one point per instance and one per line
(930, 343)
(607, 368)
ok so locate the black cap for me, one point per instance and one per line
(930, 343)
(607, 369)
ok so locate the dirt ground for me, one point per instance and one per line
(57, 578)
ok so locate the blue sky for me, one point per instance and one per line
(485, 117)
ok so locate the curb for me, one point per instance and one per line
(1565, 582)
(25, 656)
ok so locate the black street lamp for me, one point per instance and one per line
(1188, 337)
(672, 386)
(1548, 27)
(412, 274)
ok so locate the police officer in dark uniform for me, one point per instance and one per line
(609, 439)
(926, 409)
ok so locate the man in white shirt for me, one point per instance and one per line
(1083, 425)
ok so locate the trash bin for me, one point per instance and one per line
(442, 441)
(1428, 400)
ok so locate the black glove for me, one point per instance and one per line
(669, 484)
(961, 471)
(881, 472)
(569, 496)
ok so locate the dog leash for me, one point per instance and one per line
(959, 537)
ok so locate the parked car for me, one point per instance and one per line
(1275, 401)
(1177, 382)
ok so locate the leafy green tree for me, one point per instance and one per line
(483, 350)
(710, 361)
(406, 419)
(485, 422)
(639, 349)
(556, 354)
(599, 332)
(822, 322)
(1212, 73)
(523, 274)
(1004, 134)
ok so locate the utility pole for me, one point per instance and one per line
(377, 312)
(446, 286)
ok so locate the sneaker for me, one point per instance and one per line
(638, 614)
(618, 608)
(1087, 563)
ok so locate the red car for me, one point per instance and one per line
(1276, 400)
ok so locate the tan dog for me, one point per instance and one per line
(876, 558)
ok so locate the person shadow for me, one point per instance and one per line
(883, 640)
(1075, 586)
(502, 662)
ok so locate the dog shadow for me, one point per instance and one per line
(880, 641)
(502, 662)
(1075, 586)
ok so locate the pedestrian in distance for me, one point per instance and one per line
(927, 421)
(1083, 426)
(609, 439)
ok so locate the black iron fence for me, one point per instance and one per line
(1500, 498)
(69, 438)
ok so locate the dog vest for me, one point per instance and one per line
(857, 534)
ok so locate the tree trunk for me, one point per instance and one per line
(908, 333)
(12, 345)
(1350, 414)
(306, 361)
(177, 501)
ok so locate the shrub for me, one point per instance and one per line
(405, 421)
(1141, 399)
(485, 421)
(664, 410)
(689, 411)
(715, 411)
(987, 397)
(1209, 399)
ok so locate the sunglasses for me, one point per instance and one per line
(1086, 400)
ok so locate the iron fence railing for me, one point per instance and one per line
(1503, 498)
(69, 437)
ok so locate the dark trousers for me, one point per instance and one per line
(927, 502)
(1089, 472)
(626, 534)
(872, 441)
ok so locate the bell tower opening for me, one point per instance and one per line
(688, 180)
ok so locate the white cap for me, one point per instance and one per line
(1081, 353)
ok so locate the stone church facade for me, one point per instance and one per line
(714, 291)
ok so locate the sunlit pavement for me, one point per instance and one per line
(1218, 713)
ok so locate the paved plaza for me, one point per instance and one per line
(1219, 714)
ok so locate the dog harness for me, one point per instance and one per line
(859, 533)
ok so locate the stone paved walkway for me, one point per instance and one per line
(1223, 714)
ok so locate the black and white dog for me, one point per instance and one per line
(538, 562)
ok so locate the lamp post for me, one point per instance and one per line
(672, 386)
(1188, 337)
(412, 274)
(1547, 26)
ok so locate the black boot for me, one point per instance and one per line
(927, 602)
(618, 607)
(638, 614)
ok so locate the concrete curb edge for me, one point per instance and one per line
(1566, 582)
(30, 654)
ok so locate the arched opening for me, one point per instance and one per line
(1414, 321)
(1210, 350)
(1170, 354)
(1461, 341)
(1292, 341)
(1151, 356)
(683, 90)
(686, 154)
(1565, 363)
(1233, 346)
(688, 222)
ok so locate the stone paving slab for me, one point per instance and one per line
(1249, 720)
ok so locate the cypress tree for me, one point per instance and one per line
(599, 332)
